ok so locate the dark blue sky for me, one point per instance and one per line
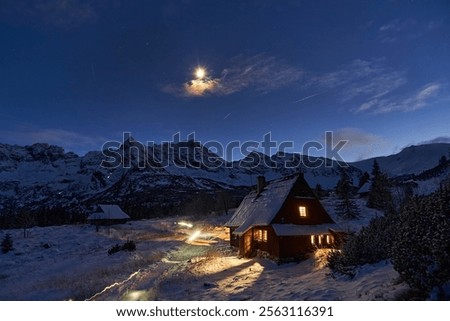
(78, 73)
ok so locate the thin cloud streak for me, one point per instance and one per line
(420, 99)
(260, 73)
(306, 98)
(359, 79)
(398, 29)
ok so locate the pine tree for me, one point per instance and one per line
(346, 207)
(376, 171)
(7, 244)
(364, 179)
(318, 191)
(421, 251)
(380, 196)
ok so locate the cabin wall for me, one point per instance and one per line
(107, 222)
(289, 213)
(273, 247)
(302, 195)
(234, 239)
(294, 246)
(249, 243)
(246, 246)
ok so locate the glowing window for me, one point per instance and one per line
(260, 236)
(329, 239)
(312, 240)
(320, 239)
(302, 211)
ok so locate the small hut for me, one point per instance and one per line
(108, 215)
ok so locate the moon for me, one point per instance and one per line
(200, 73)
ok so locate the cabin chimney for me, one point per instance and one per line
(260, 184)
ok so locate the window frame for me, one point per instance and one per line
(260, 235)
(302, 211)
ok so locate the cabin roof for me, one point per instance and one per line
(108, 212)
(365, 188)
(260, 209)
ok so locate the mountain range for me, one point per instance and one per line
(42, 175)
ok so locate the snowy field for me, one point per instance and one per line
(172, 262)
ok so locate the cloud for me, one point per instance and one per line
(260, 73)
(397, 25)
(53, 13)
(360, 144)
(406, 29)
(68, 139)
(440, 139)
(417, 100)
(392, 31)
(372, 87)
(360, 78)
(356, 137)
(198, 87)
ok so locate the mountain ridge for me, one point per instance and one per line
(45, 175)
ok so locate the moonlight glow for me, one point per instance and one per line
(200, 73)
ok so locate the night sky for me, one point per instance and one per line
(79, 73)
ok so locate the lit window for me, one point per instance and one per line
(302, 211)
(260, 236)
(320, 239)
(329, 239)
(312, 240)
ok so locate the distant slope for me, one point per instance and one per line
(411, 160)
(41, 175)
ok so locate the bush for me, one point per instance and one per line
(370, 245)
(421, 252)
(129, 245)
(7, 244)
(116, 248)
(417, 240)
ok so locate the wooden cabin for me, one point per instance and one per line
(282, 218)
(365, 189)
(108, 215)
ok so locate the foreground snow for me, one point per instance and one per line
(71, 262)
(229, 278)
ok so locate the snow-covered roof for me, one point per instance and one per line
(108, 212)
(365, 188)
(261, 209)
(293, 229)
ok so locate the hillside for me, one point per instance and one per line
(44, 176)
(410, 160)
(41, 175)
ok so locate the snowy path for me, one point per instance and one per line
(144, 284)
(169, 264)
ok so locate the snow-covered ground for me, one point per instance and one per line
(72, 262)
(366, 214)
(230, 278)
(172, 262)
